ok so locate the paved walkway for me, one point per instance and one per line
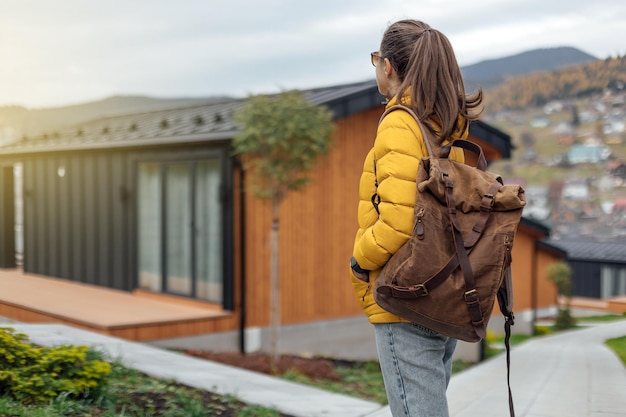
(569, 374)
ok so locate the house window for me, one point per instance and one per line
(613, 281)
(180, 228)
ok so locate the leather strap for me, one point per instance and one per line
(486, 205)
(471, 295)
(422, 290)
(481, 161)
(508, 322)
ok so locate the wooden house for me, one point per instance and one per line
(598, 269)
(154, 204)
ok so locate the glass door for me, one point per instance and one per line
(180, 236)
(149, 233)
(208, 232)
(178, 225)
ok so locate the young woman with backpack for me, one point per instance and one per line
(415, 66)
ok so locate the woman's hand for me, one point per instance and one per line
(359, 273)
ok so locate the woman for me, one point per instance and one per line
(415, 66)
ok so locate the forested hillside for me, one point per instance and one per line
(573, 82)
(490, 73)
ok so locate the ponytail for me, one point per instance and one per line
(426, 66)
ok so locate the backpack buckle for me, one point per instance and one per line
(445, 178)
(471, 296)
(423, 291)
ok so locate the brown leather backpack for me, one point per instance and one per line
(447, 276)
(457, 261)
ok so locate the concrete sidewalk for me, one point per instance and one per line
(568, 374)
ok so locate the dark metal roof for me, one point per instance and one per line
(544, 231)
(208, 122)
(590, 250)
(494, 137)
(201, 123)
(535, 225)
(347, 99)
(555, 249)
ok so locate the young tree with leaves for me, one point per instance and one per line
(560, 274)
(280, 140)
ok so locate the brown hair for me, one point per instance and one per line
(426, 65)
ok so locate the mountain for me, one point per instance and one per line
(594, 78)
(16, 121)
(492, 72)
(22, 121)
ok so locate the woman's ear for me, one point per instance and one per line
(389, 70)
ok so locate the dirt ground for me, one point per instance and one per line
(315, 368)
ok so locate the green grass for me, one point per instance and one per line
(580, 323)
(495, 343)
(358, 379)
(461, 365)
(602, 318)
(619, 347)
(133, 394)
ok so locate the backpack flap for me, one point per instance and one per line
(470, 186)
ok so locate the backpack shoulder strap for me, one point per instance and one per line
(481, 161)
(426, 135)
(444, 151)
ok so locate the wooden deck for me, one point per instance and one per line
(614, 305)
(133, 316)
(617, 305)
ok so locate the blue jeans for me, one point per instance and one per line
(416, 364)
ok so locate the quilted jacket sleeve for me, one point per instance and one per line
(397, 150)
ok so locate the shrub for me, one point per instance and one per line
(542, 330)
(564, 320)
(33, 374)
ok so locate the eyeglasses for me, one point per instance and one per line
(375, 57)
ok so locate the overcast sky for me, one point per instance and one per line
(70, 51)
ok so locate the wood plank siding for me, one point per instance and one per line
(316, 234)
(531, 286)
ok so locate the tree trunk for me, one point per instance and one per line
(274, 287)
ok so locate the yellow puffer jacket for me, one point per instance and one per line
(398, 147)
